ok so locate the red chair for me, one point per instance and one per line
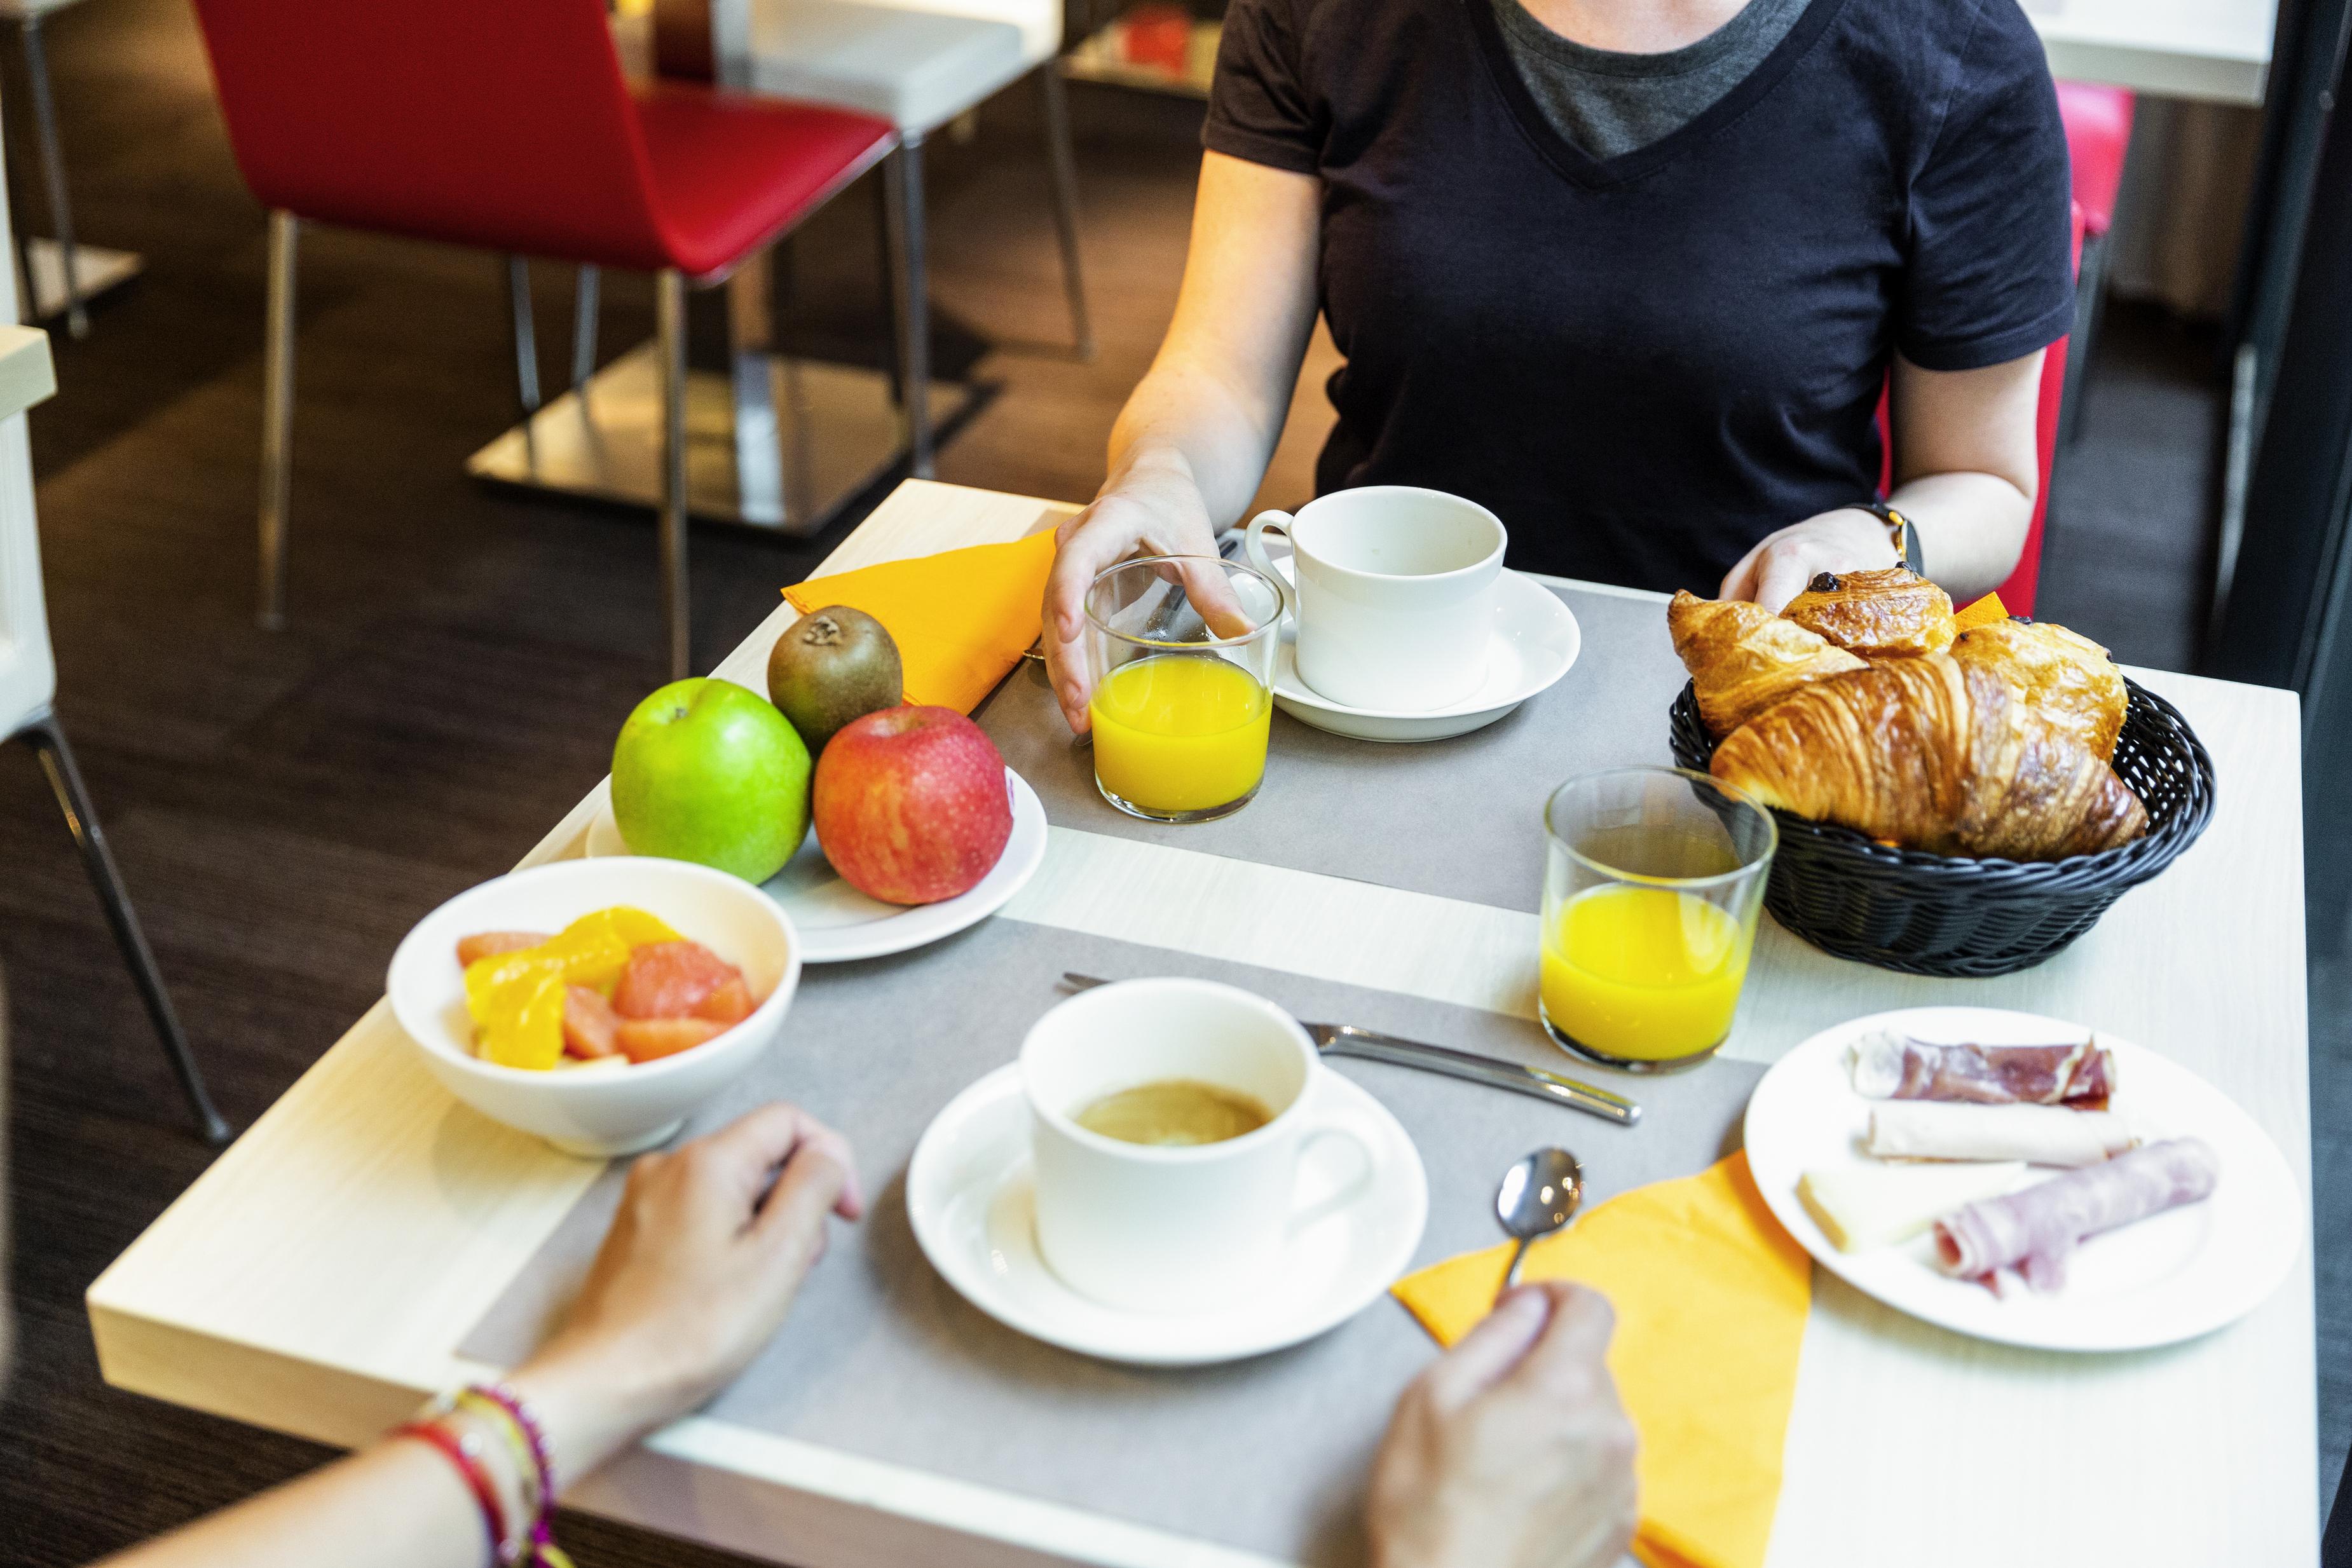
(507, 126)
(2017, 592)
(2098, 131)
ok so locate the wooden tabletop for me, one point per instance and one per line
(318, 1278)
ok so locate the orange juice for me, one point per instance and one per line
(1644, 973)
(1178, 733)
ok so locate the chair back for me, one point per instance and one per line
(503, 124)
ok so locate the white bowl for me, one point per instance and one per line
(608, 1110)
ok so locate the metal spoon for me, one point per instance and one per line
(1536, 1198)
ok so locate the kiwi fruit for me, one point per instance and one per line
(831, 666)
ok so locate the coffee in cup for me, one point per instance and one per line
(1174, 1112)
(1195, 1211)
(1394, 593)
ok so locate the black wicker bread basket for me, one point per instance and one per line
(1948, 914)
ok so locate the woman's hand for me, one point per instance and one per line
(702, 1262)
(1777, 569)
(1152, 507)
(1511, 1450)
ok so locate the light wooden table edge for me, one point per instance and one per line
(709, 1480)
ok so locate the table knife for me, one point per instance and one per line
(1370, 1045)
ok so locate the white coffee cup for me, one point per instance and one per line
(1395, 593)
(1175, 1230)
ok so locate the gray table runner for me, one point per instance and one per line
(1460, 818)
(881, 1358)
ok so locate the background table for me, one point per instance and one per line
(2216, 50)
(319, 1276)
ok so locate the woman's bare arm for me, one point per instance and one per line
(1193, 441)
(1966, 470)
(709, 1247)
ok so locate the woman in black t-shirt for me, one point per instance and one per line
(1658, 363)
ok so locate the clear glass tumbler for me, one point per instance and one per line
(1652, 880)
(1182, 652)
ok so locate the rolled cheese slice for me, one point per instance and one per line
(2038, 1135)
(1863, 1207)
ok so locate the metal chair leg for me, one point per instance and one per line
(894, 330)
(48, 743)
(669, 308)
(584, 302)
(1063, 157)
(277, 417)
(53, 172)
(526, 333)
(904, 175)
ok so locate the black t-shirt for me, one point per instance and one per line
(1646, 364)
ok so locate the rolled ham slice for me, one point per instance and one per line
(2036, 1230)
(2038, 1134)
(1889, 1066)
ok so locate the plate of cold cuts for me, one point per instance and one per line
(2024, 1179)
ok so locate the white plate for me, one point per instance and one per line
(970, 1198)
(2182, 1273)
(836, 923)
(1535, 641)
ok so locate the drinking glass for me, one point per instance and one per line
(1182, 651)
(1652, 883)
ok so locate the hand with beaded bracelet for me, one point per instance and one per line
(698, 1270)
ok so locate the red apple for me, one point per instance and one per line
(911, 804)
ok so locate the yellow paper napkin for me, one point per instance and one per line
(961, 618)
(1983, 612)
(1711, 1296)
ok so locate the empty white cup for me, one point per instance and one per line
(1395, 593)
(1153, 1228)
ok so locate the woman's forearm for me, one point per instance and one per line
(398, 1505)
(1184, 423)
(1971, 528)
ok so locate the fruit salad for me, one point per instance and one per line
(613, 987)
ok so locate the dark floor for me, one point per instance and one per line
(286, 806)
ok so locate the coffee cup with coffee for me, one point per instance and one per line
(1394, 593)
(1168, 1121)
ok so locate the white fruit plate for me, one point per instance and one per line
(836, 923)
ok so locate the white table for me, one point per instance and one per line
(318, 1278)
(2215, 50)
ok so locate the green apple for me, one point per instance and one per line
(708, 771)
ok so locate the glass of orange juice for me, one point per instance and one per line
(1182, 652)
(1652, 885)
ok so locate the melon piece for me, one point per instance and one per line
(649, 1040)
(670, 981)
(589, 1023)
(490, 944)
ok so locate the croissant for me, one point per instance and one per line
(1742, 658)
(1935, 755)
(1892, 612)
(2063, 677)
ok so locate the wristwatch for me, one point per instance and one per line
(1899, 532)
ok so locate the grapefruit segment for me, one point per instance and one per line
(670, 981)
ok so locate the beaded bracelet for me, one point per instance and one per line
(535, 1461)
(459, 1452)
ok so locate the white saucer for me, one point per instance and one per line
(970, 1195)
(1535, 641)
(836, 923)
(2172, 1277)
